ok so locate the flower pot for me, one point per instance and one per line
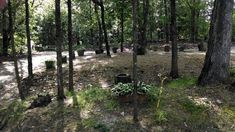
(64, 59)
(167, 48)
(114, 49)
(99, 51)
(81, 52)
(141, 51)
(50, 65)
(122, 78)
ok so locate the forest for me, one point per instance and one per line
(117, 66)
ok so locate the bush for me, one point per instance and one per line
(127, 89)
(50, 64)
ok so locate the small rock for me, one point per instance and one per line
(218, 101)
(123, 113)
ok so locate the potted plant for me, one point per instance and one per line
(50, 64)
(99, 51)
(64, 59)
(114, 49)
(80, 50)
(124, 92)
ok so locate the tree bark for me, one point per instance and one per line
(60, 95)
(135, 42)
(70, 37)
(11, 31)
(174, 60)
(166, 21)
(100, 28)
(30, 65)
(104, 28)
(122, 25)
(193, 22)
(5, 40)
(216, 66)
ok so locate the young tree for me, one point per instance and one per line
(174, 60)
(100, 28)
(5, 37)
(30, 65)
(11, 31)
(216, 66)
(166, 21)
(135, 41)
(70, 37)
(60, 95)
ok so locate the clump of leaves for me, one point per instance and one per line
(160, 116)
(127, 89)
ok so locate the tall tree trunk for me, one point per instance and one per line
(60, 95)
(91, 29)
(30, 65)
(100, 28)
(70, 37)
(193, 22)
(174, 59)
(166, 21)
(216, 66)
(11, 30)
(122, 25)
(135, 42)
(5, 41)
(104, 28)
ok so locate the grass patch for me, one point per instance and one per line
(232, 71)
(92, 123)
(182, 82)
(229, 112)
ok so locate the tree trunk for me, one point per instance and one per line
(11, 30)
(166, 21)
(100, 28)
(30, 65)
(70, 37)
(60, 95)
(174, 59)
(5, 41)
(135, 41)
(104, 28)
(122, 25)
(216, 66)
(193, 22)
(91, 29)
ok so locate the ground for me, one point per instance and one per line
(183, 107)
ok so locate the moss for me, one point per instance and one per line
(182, 82)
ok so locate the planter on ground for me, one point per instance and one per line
(141, 51)
(141, 98)
(114, 49)
(64, 59)
(50, 65)
(122, 78)
(80, 52)
(167, 48)
(99, 51)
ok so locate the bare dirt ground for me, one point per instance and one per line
(215, 108)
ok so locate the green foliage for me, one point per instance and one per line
(232, 71)
(183, 82)
(127, 89)
(89, 96)
(192, 107)
(50, 64)
(93, 123)
(160, 116)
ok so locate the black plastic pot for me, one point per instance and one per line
(114, 49)
(99, 51)
(122, 78)
(80, 52)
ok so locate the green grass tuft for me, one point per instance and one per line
(182, 82)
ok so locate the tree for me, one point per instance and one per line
(216, 66)
(135, 41)
(5, 37)
(70, 37)
(101, 5)
(174, 60)
(122, 25)
(166, 21)
(100, 27)
(30, 65)
(11, 31)
(60, 95)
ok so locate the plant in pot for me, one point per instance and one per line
(64, 59)
(80, 50)
(124, 92)
(50, 64)
(114, 48)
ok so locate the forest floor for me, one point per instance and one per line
(184, 106)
